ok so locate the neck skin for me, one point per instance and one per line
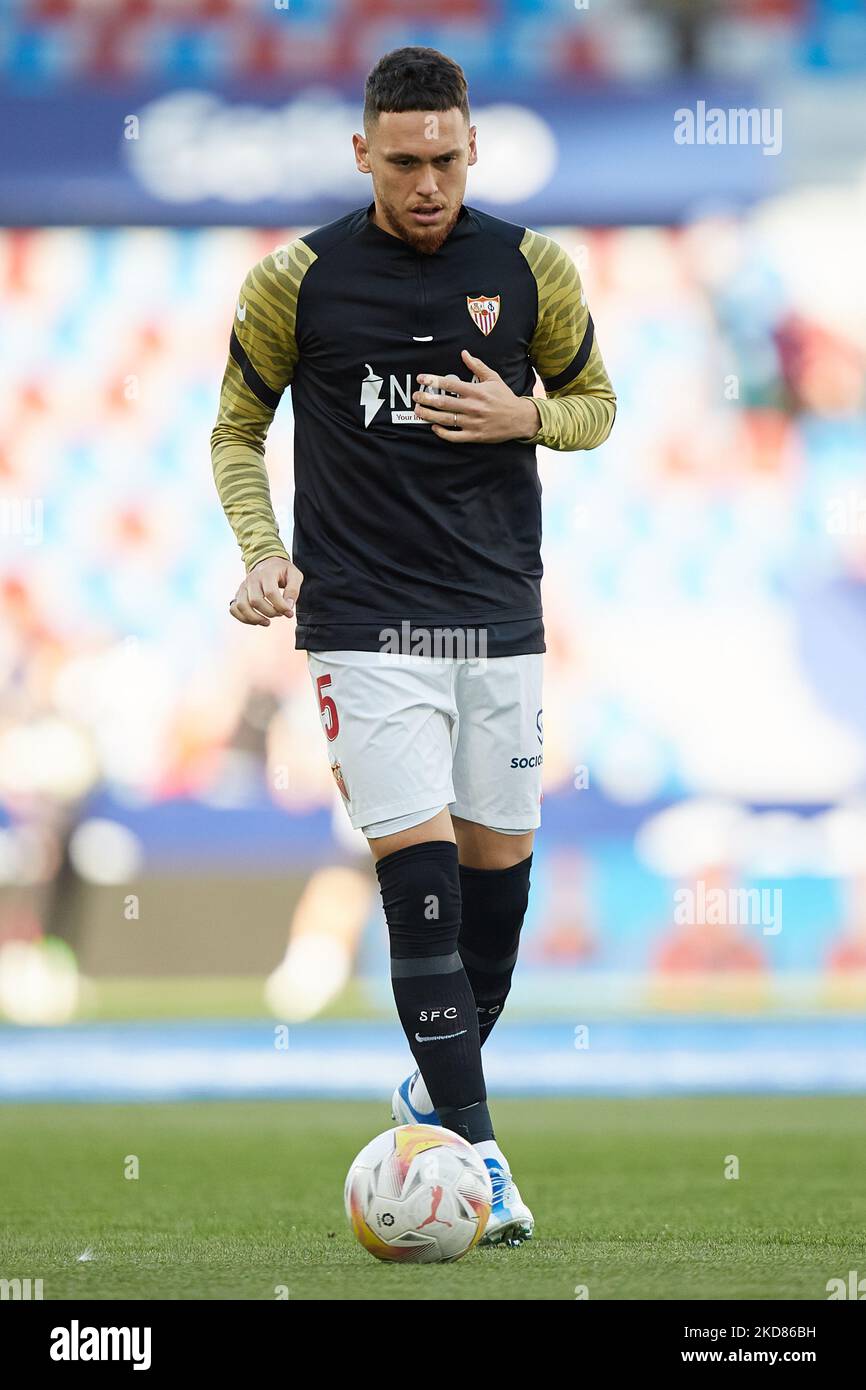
(425, 240)
(377, 217)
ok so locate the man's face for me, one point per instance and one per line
(418, 161)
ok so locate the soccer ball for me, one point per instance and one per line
(419, 1194)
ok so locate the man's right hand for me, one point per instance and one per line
(269, 591)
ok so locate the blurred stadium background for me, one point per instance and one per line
(177, 876)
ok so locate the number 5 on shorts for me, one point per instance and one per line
(330, 718)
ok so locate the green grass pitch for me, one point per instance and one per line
(236, 1200)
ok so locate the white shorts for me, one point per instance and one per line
(410, 735)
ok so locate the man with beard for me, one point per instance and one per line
(410, 332)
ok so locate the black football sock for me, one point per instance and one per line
(421, 896)
(494, 905)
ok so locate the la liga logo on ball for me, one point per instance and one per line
(418, 1194)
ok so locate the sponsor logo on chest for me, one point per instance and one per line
(398, 394)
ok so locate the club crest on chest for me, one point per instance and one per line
(484, 311)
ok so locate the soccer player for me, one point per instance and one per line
(409, 331)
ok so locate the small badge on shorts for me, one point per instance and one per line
(340, 779)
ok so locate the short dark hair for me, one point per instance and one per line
(415, 79)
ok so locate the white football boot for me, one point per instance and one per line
(510, 1222)
(403, 1112)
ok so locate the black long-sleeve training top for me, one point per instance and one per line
(393, 524)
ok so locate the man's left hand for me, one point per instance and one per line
(488, 411)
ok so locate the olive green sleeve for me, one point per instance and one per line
(262, 356)
(579, 407)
